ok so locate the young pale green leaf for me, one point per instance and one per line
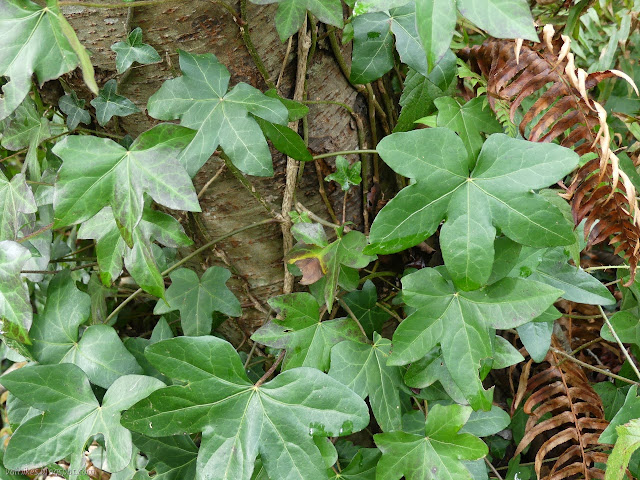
(108, 103)
(461, 321)
(363, 305)
(630, 410)
(120, 177)
(200, 100)
(73, 107)
(197, 299)
(437, 454)
(362, 466)
(133, 50)
(435, 22)
(316, 261)
(346, 175)
(501, 18)
(469, 121)
(363, 368)
(32, 42)
(625, 323)
(291, 14)
(308, 340)
(54, 334)
(172, 458)
(430, 369)
(16, 312)
(71, 416)
(373, 43)
(498, 193)
(536, 335)
(627, 443)
(16, 200)
(238, 420)
(504, 354)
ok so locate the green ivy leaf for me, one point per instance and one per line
(100, 352)
(139, 260)
(483, 424)
(285, 140)
(469, 121)
(239, 420)
(34, 43)
(435, 22)
(71, 416)
(197, 299)
(372, 54)
(133, 50)
(627, 443)
(498, 193)
(536, 334)
(346, 175)
(172, 458)
(16, 312)
(109, 104)
(553, 269)
(363, 368)
(291, 14)
(629, 411)
(200, 100)
(363, 305)
(316, 261)
(501, 18)
(625, 323)
(73, 108)
(307, 339)
(120, 177)
(16, 201)
(430, 369)
(362, 466)
(436, 454)
(462, 321)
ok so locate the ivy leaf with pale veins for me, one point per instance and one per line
(31, 41)
(498, 193)
(462, 321)
(197, 299)
(120, 177)
(71, 416)
(238, 420)
(469, 121)
(16, 312)
(501, 18)
(363, 368)
(317, 261)
(16, 200)
(437, 454)
(361, 467)
(73, 108)
(346, 175)
(291, 14)
(307, 339)
(373, 43)
(133, 50)
(139, 260)
(54, 334)
(200, 100)
(108, 103)
(435, 22)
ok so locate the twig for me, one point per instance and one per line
(187, 258)
(141, 3)
(271, 370)
(53, 272)
(211, 180)
(606, 267)
(344, 305)
(493, 469)
(284, 61)
(246, 37)
(390, 312)
(304, 43)
(622, 347)
(36, 233)
(344, 152)
(301, 208)
(591, 367)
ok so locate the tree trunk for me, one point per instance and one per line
(255, 256)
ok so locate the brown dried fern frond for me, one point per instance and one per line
(577, 420)
(562, 111)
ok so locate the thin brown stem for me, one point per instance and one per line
(271, 370)
(344, 305)
(622, 347)
(591, 367)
